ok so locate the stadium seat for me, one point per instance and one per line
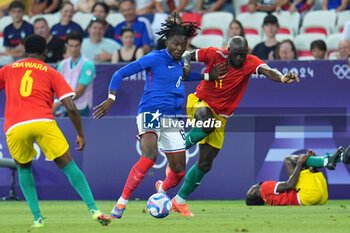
(83, 19)
(289, 23)
(306, 58)
(281, 37)
(204, 41)
(240, 6)
(192, 17)
(303, 41)
(252, 22)
(51, 19)
(210, 25)
(253, 40)
(343, 17)
(2, 47)
(158, 19)
(332, 55)
(114, 19)
(4, 21)
(332, 42)
(318, 5)
(319, 22)
(7, 20)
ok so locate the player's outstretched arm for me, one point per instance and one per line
(277, 76)
(117, 78)
(104, 107)
(292, 181)
(218, 72)
(74, 116)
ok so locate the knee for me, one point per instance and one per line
(204, 114)
(205, 166)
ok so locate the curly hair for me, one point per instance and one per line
(171, 28)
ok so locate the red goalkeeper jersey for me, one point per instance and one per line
(30, 85)
(269, 194)
(223, 96)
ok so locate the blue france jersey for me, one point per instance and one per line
(164, 89)
(13, 37)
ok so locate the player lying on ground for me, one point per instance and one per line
(305, 186)
(30, 87)
(218, 100)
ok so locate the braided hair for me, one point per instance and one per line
(171, 28)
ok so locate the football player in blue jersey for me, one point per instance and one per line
(163, 96)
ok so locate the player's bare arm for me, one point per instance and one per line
(292, 181)
(218, 71)
(104, 107)
(290, 163)
(75, 118)
(277, 76)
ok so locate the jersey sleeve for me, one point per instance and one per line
(205, 55)
(148, 60)
(60, 86)
(253, 64)
(2, 79)
(268, 188)
(88, 71)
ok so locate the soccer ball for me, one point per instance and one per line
(159, 205)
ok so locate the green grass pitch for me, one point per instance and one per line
(211, 216)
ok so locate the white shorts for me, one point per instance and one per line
(171, 138)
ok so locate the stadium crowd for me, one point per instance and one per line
(275, 29)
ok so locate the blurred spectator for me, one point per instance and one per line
(265, 50)
(296, 5)
(318, 49)
(15, 33)
(264, 5)
(235, 29)
(205, 6)
(143, 34)
(171, 6)
(85, 6)
(337, 5)
(37, 7)
(55, 45)
(100, 10)
(4, 5)
(344, 49)
(79, 73)
(66, 25)
(286, 51)
(129, 52)
(97, 48)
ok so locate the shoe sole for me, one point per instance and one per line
(175, 209)
(346, 155)
(335, 157)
